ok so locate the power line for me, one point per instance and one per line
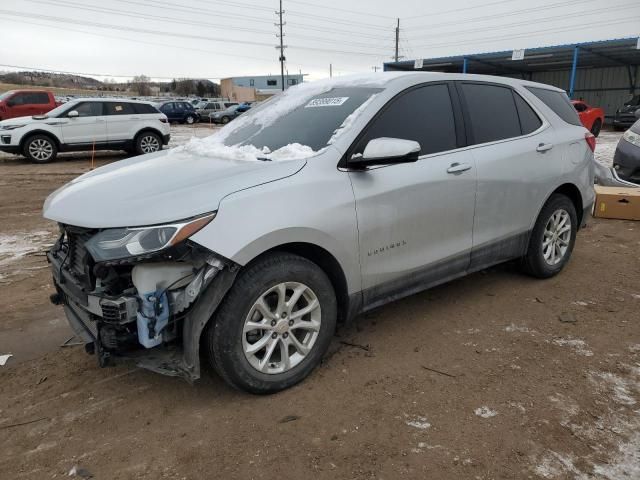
(505, 14)
(528, 34)
(172, 34)
(463, 9)
(173, 20)
(315, 5)
(525, 22)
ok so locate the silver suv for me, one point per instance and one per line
(329, 200)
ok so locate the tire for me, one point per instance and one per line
(224, 120)
(40, 149)
(236, 352)
(148, 142)
(553, 240)
(190, 120)
(596, 127)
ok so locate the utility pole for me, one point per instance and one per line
(330, 71)
(280, 24)
(375, 68)
(397, 38)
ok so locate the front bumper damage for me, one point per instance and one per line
(162, 336)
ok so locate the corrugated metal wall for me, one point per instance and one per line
(607, 88)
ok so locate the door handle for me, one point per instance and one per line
(543, 147)
(458, 167)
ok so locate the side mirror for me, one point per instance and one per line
(638, 114)
(386, 151)
(73, 114)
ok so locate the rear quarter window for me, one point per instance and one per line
(144, 108)
(559, 103)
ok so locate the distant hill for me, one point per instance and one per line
(200, 87)
(47, 79)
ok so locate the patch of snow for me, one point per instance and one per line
(579, 346)
(517, 328)
(350, 120)
(617, 385)
(565, 404)
(15, 247)
(4, 358)
(606, 144)
(624, 465)
(485, 412)
(554, 465)
(419, 423)
(211, 147)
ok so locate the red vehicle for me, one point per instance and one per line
(591, 117)
(26, 103)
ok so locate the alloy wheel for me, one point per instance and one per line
(281, 328)
(41, 149)
(149, 144)
(556, 237)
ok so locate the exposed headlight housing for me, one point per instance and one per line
(120, 243)
(632, 137)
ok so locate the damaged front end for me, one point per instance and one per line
(142, 294)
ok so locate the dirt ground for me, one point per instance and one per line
(494, 376)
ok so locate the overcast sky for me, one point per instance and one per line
(216, 39)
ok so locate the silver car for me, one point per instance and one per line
(330, 200)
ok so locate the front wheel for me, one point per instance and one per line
(190, 120)
(274, 326)
(40, 149)
(552, 238)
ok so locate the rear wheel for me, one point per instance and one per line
(148, 142)
(274, 326)
(190, 120)
(40, 149)
(596, 127)
(552, 239)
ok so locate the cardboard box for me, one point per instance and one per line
(617, 202)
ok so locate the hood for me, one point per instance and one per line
(158, 188)
(629, 108)
(16, 121)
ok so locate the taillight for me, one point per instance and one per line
(591, 140)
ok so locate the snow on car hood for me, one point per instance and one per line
(160, 187)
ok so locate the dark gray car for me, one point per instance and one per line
(625, 115)
(626, 160)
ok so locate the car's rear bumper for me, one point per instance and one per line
(624, 120)
(626, 161)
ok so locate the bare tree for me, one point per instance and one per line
(140, 84)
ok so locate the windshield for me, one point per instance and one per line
(61, 109)
(6, 94)
(305, 118)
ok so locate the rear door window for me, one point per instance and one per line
(144, 108)
(559, 103)
(423, 114)
(119, 108)
(492, 112)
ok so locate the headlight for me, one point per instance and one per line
(632, 137)
(118, 243)
(11, 127)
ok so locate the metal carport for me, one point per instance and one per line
(603, 73)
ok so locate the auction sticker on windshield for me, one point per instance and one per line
(326, 102)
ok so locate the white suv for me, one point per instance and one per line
(86, 124)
